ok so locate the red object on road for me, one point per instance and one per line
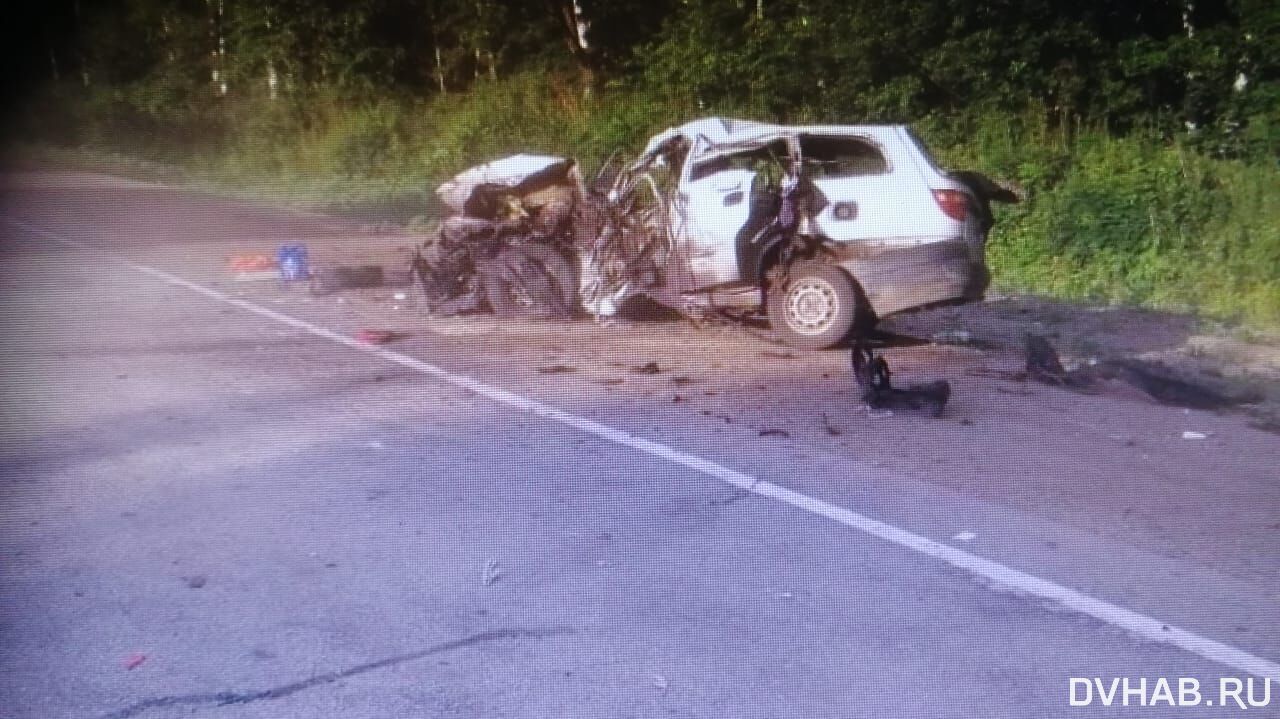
(135, 660)
(375, 337)
(251, 263)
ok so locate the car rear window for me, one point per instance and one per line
(841, 157)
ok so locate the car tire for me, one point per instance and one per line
(533, 281)
(817, 306)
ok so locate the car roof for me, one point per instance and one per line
(728, 131)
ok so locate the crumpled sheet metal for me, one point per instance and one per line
(716, 130)
(610, 242)
(519, 173)
(510, 245)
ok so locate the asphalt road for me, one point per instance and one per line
(208, 511)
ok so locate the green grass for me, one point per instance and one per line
(1135, 220)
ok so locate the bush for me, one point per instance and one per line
(1134, 220)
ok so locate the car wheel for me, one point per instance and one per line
(534, 281)
(816, 307)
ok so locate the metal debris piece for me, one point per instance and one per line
(871, 372)
(492, 572)
(328, 280)
(376, 337)
(1152, 378)
(647, 368)
(952, 337)
(1043, 364)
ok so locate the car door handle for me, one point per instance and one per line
(733, 198)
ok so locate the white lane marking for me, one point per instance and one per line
(1140, 624)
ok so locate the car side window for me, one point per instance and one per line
(765, 160)
(835, 157)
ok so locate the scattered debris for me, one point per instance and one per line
(1194, 435)
(251, 263)
(1266, 424)
(556, 369)
(492, 572)
(332, 279)
(377, 337)
(965, 536)
(647, 368)
(196, 581)
(774, 432)
(996, 373)
(830, 428)
(134, 660)
(872, 375)
(253, 267)
(1159, 382)
(952, 337)
(1043, 364)
(257, 276)
(1151, 378)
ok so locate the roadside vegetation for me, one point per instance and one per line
(1146, 137)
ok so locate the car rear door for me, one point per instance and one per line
(872, 193)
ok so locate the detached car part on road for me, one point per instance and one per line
(827, 229)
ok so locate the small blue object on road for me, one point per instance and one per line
(292, 260)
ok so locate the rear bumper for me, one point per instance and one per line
(896, 279)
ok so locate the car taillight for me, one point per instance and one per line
(953, 202)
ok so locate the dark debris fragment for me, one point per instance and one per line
(872, 374)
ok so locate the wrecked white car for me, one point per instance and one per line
(826, 228)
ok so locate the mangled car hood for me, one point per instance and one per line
(518, 174)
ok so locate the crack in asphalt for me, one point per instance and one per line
(227, 698)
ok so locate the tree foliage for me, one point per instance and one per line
(1211, 69)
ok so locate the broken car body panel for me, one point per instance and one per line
(516, 175)
(878, 217)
